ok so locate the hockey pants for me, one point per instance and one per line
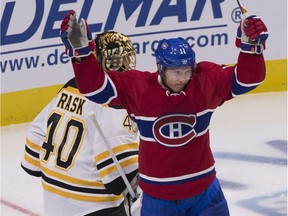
(211, 202)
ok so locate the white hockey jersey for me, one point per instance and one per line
(64, 148)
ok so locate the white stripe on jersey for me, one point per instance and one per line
(178, 178)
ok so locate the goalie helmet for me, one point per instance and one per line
(175, 52)
(114, 51)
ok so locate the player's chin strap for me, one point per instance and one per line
(92, 116)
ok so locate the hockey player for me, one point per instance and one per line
(64, 148)
(173, 108)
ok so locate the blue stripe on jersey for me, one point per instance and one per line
(239, 88)
(145, 124)
(203, 121)
(105, 94)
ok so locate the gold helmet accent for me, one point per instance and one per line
(115, 51)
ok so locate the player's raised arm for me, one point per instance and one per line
(250, 72)
(80, 48)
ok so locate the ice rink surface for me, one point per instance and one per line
(249, 142)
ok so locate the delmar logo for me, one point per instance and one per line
(182, 10)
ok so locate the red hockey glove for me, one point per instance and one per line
(76, 36)
(251, 35)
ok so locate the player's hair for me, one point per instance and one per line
(174, 52)
(114, 51)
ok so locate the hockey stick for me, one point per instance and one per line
(92, 116)
(242, 8)
(244, 16)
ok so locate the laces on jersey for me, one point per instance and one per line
(168, 93)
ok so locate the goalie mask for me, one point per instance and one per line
(115, 52)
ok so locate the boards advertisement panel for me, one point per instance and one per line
(32, 54)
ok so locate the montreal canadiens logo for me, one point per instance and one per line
(174, 130)
(164, 45)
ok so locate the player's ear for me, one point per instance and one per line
(158, 67)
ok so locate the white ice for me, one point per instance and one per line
(249, 142)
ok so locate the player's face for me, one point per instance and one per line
(177, 78)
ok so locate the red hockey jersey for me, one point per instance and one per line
(175, 159)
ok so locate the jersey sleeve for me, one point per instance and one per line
(126, 154)
(220, 83)
(89, 75)
(122, 139)
(35, 136)
(249, 73)
(104, 87)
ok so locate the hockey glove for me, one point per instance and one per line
(136, 204)
(76, 36)
(251, 35)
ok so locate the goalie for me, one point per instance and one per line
(64, 148)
